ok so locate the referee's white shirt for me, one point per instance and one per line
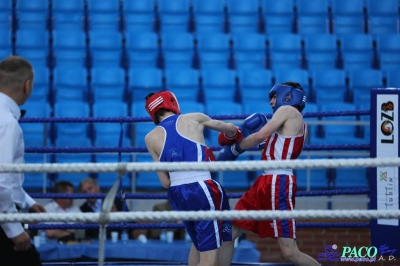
(12, 151)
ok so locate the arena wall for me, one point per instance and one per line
(313, 240)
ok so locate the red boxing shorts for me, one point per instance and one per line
(270, 192)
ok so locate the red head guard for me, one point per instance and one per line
(161, 100)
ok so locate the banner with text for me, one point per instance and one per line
(385, 180)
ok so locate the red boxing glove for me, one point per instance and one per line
(224, 140)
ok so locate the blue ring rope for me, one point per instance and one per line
(180, 226)
(359, 191)
(148, 119)
(144, 149)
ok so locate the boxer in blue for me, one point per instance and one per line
(179, 138)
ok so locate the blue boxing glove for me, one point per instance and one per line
(254, 123)
(230, 153)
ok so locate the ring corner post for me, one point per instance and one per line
(384, 180)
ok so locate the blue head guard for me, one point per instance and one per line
(287, 95)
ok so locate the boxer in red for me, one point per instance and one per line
(281, 138)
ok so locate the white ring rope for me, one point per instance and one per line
(114, 217)
(201, 166)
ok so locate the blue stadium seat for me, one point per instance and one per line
(184, 83)
(68, 15)
(393, 78)
(243, 16)
(317, 179)
(298, 75)
(321, 51)
(105, 48)
(213, 50)
(329, 85)
(383, 24)
(140, 131)
(69, 39)
(41, 85)
(254, 84)
(235, 180)
(383, 16)
(341, 132)
(69, 48)
(388, 49)
(361, 82)
(224, 108)
(34, 46)
(108, 134)
(143, 81)
(138, 110)
(208, 16)
(249, 50)
(314, 130)
(6, 18)
(348, 16)
(107, 180)
(35, 181)
(147, 180)
(103, 15)
(35, 109)
(31, 39)
(110, 108)
(285, 51)
(74, 178)
(36, 134)
(257, 106)
(138, 15)
(278, 16)
(191, 107)
(70, 84)
(351, 177)
(142, 49)
(177, 49)
(71, 109)
(6, 45)
(365, 130)
(5, 52)
(108, 83)
(32, 15)
(218, 84)
(312, 18)
(356, 51)
(173, 15)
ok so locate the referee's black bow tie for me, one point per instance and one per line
(23, 112)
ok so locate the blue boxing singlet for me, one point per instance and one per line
(178, 148)
(194, 190)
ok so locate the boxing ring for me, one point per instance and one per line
(107, 220)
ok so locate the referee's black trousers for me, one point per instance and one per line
(10, 257)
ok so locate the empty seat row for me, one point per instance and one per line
(339, 16)
(207, 86)
(184, 50)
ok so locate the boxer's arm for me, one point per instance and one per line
(151, 140)
(253, 124)
(228, 128)
(277, 120)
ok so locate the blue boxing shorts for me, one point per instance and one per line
(205, 195)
